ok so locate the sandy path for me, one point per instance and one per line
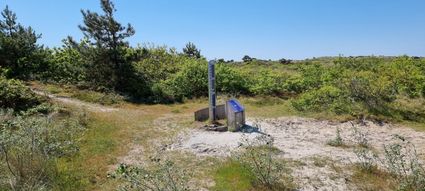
(76, 102)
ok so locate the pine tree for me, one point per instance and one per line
(109, 66)
(192, 51)
(20, 55)
(247, 58)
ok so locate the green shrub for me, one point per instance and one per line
(408, 76)
(367, 159)
(403, 162)
(327, 98)
(230, 80)
(190, 81)
(30, 145)
(15, 95)
(66, 65)
(259, 158)
(163, 176)
(98, 97)
(267, 82)
(312, 76)
(337, 141)
(157, 70)
(400, 161)
(359, 64)
(295, 84)
(158, 63)
(373, 91)
(360, 138)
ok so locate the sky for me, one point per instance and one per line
(264, 29)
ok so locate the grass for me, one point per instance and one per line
(375, 179)
(98, 150)
(83, 95)
(54, 89)
(97, 97)
(320, 161)
(232, 176)
(110, 136)
(414, 125)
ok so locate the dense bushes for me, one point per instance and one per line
(66, 65)
(326, 98)
(267, 82)
(360, 86)
(356, 86)
(190, 81)
(30, 145)
(15, 95)
(259, 158)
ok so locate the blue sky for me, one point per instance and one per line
(266, 29)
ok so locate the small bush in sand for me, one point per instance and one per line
(402, 161)
(360, 138)
(163, 175)
(400, 164)
(259, 158)
(337, 141)
(367, 159)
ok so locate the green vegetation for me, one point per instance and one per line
(233, 176)
(259, 159)
(380, 88)
(374, 179)
(97, 97)
(337, 141)
(403, 163)
(32, 143)
(20, 55)
(48, 147)
(165, 176)
(15, 95)
(191, 51)
(400, 166)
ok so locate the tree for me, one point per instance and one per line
(192, 51)
(109, 66)
(247, 58)
(285, 61)
(221, 60)
(20, 55)
(67, 63)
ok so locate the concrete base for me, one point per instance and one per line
(203, 114)
(218, 128)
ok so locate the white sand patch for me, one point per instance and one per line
(302, 139)
(212, 143)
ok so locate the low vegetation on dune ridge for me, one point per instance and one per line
(376, 87)
(139, 99)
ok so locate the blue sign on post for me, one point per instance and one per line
(235, 115)
(236, 106)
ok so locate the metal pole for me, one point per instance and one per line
(211, 90)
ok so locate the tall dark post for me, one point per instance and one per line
(211, 90)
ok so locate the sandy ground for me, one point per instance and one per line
(304, 140)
